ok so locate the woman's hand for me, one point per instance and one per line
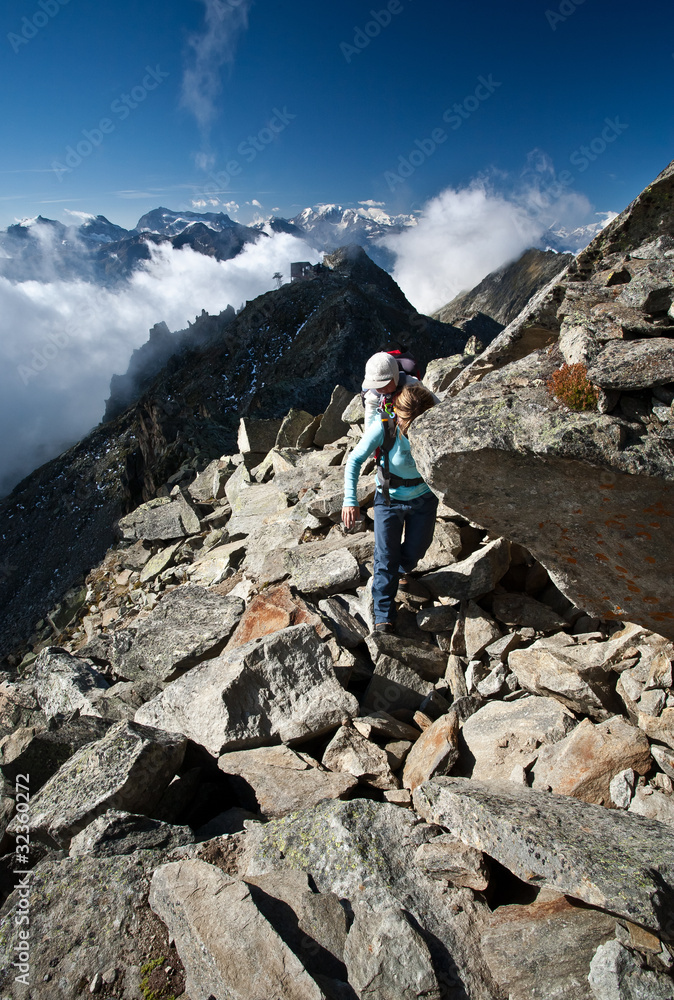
(349, 516)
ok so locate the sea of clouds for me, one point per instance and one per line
(61, 341)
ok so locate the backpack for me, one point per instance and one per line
(406, 362)
(386, 479)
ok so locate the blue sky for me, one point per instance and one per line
(343, 106)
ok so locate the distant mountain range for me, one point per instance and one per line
(100, 251)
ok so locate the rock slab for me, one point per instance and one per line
(608, 858)
(279, 687)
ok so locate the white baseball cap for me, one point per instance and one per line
(380, 370)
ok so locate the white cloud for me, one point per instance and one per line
(372, 204)
(607, 217)
(210, 51)
(460, 237)
(53, 387)
(256, 203)
(80, 216)
(204, 161)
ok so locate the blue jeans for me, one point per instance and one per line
(392, 555)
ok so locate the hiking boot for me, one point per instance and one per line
(386, 627)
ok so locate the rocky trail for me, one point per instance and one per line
(220, 785)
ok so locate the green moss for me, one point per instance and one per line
(149, 993)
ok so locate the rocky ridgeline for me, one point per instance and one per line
(238, 791)
(589, 494)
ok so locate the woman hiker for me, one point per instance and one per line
(406, 506)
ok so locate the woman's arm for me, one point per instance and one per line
(370, 441)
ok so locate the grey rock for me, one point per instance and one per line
(159, 562)
(187, 625)
(503, 734)
(332, 426)
(617, 974)
(227, 946)
(621, 788)
(253, 506)
(652, 702)
(40, 752)
(543, 950)
(19, 707)
(660, 728)
(116, 832)
(427, 660)
(479, 631)
(160, 520)
(213, 565)
(350, 752)
(388, 959)
(443, 550)
(382, 725)
(127, 769)
(78, 909)
(521, 611)
(474, 576)
(440, 619)
(364, 852)
(324, 575)
(65, 684)
(664, 759)
(542, 838)
(349, 631)
(441, 372)
(209, 485)
(354, 413)
(282, 780)
(329, 494)
(494, 682)
(282, 686)
(653, 804)
(404, 673)
(577, 676)
(312, 924)
(445, 857)
(634, 364)
(257, 435)
(294, 425)
(584, 763)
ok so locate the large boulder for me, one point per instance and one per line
(89, 920)
(559, 842)
(188, 625)
(127, 769)
(226, 943)
(281, 687)
(277, 780)
(589, 494)
(364, 852)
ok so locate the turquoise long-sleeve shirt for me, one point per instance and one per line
(401, 464)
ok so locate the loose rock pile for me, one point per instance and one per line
(238, 791)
